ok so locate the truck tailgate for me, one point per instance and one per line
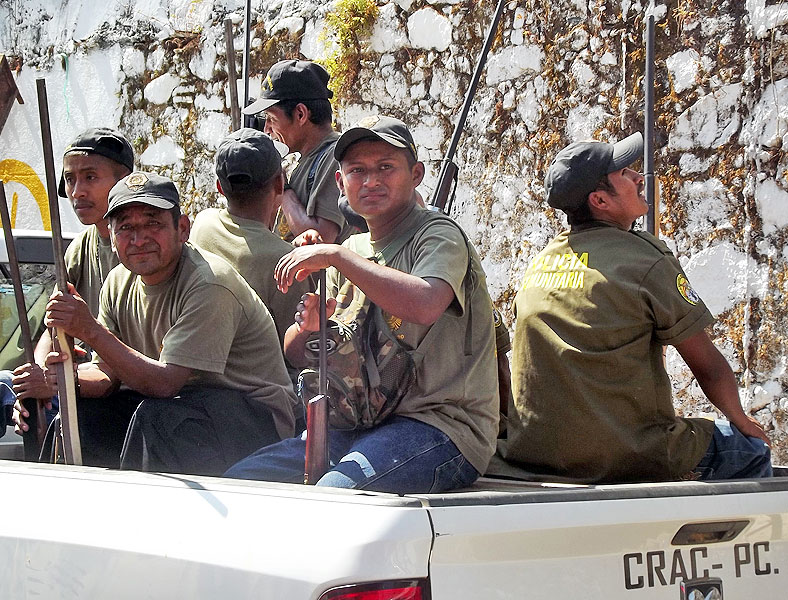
(614, 542)
(72, 532)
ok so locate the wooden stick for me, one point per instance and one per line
(62, 342)
(235, 110)
(316, 459)
(34, 406)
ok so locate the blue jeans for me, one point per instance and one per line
(401, 456)
(733, 455)
(8, 398)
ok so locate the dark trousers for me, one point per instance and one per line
(202, 431)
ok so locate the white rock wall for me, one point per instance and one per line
(559, 71)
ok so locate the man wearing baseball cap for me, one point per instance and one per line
(592, 399)
(432, 293)
(296, 102)
(249, 175)
(191, 343)
(92, 163)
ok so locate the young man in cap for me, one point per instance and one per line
(184, 331)
(598, 304)
(295, 100)
(442, 433)
(249, 174)
(92, 163)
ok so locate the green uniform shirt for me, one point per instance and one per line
(319, 199)
(89, 259)
(254, 251)
(592, 396)
(455, 393)
(206, 318)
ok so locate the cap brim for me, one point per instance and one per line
(281, 148)
(259, 105)
(626, 152)
(154, 201)
(356, 134)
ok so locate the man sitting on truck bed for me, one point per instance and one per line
(442, 434)
(92, 163)
(592, 397)
(183, 330)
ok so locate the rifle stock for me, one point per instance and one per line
(316, 459)
(62, 342)
(443, 197)
(33, 439)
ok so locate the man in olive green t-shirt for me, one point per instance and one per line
(597, 305)
(92, 163)
(186, 334)
(249, 174)
(442, 434)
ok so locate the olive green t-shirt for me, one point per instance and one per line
(253, 250)
(592, 397)
(320, 199)
(89, 258)
(455, 393)
(208, 319)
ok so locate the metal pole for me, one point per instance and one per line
(648, 138)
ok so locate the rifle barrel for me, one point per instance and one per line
(232, 78)
(466, 106)
(648, 139)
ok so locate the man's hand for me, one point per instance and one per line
(21, 413)
(70, 312)
(302, 262)
(32, 381)
(752, 428)
(307, 317)
(308, 238)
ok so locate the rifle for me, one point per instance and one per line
(443, 197)
(67, 396)
(34, 406)
(316, 459)
(235, 110)
(652, 219)
(249, 120)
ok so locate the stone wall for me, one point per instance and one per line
(559, 71)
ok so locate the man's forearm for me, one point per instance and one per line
(299, 221)
(43, 348)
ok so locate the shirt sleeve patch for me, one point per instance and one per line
(686, 291)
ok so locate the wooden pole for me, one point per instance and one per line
(232, 78)
(62, 342)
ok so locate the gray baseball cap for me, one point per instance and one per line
(576, 170)
(377, 127)
(144, 188)
(246, 159)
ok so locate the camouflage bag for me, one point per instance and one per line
(369, 370)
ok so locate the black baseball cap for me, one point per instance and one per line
(377, 127)
(246, 159)
(576, 170)
(292, 80)
(144, 188)
(104, 141)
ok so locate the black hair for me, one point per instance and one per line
(319, 110)
(251, 193)
(583, 213)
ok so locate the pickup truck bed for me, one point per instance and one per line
(93, 533)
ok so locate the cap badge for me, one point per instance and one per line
(369, 122)
(136, 181)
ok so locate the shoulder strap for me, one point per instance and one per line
(310, 179)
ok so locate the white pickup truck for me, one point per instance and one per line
(88, 533)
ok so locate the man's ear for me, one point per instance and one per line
(417, 174)
(184, 227)
(279, 184)
(598, 200)
(301, 113)
(219, 187)
(340, 182)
